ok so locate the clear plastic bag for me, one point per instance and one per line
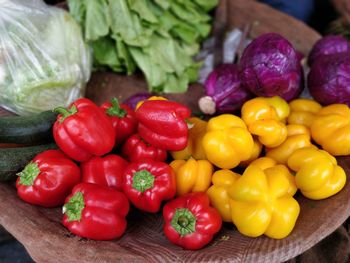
(44, 62)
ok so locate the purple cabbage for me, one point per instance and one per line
(224, 91)
(134, 99)
(329, 79)
(328, 45)
(270, 67)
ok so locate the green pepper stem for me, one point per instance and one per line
(74, 208)
(142, 180)
(65, 112)
(29, 174)
(183, 221)
(115, 109)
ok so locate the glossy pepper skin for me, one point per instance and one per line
(123, 119)
(106, 171)
(135, 149)
(331, 129)
(147, 183)
(265, 118)
(192, 175)
(257, 149)
(222, 181)
(303, 111)
(47, 179)
(317, 174)
(261, 202)
(162, 124)
(298, 137)
(190, 222)
(83, 130)
(194, 146)
(227, 141)
(96, 212)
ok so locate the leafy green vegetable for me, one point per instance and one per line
(47, 62)
(159, 37)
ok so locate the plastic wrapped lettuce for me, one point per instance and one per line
(44, 62)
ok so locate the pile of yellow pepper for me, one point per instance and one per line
(260, 201)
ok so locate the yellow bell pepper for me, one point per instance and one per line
(255, 154)
(303, 111)
(227, 141)
(271, 164)
(192, 175)
(331, 129)
(317, 174)
(222, 181)
(194, 147)
(298, 137)
(261, 202)
(265, 118)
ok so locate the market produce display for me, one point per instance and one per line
(157, 37)
(242, 166)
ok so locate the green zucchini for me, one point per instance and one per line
(13, 160)
(29, 130)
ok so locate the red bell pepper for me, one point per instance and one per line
(107, 171)
(147, 183)
(135, 148)
(190, 222)
(47, 179)
(96, 212)
(83, 130)
(162, 124)
(123, 119)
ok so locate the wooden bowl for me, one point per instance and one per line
(41, 232)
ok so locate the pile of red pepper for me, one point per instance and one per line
(95, 185)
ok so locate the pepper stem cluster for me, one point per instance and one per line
(29, 173)
(183, 221)
(74, 208)
(116, 110)
(65, 112)
(142, 180)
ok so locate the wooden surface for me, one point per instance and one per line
(46, 240)
(265, 19)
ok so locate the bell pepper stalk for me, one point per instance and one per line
(95, 212)
(298, 136)
(107, 171)
(147, 183)
(265, 118)
(318, 176)
(135, 149)
(83, 130)
(303, 111)
(262, 202)
(123, 119)
(162, 124)
(331, 128)
(47, 179)
(190, 222)
(192, 175)
(227, 141)
(194, 148)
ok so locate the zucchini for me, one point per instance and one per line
(13, 160)
(28, 130)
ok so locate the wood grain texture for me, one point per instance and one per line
(46, 240)
(264, 19)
